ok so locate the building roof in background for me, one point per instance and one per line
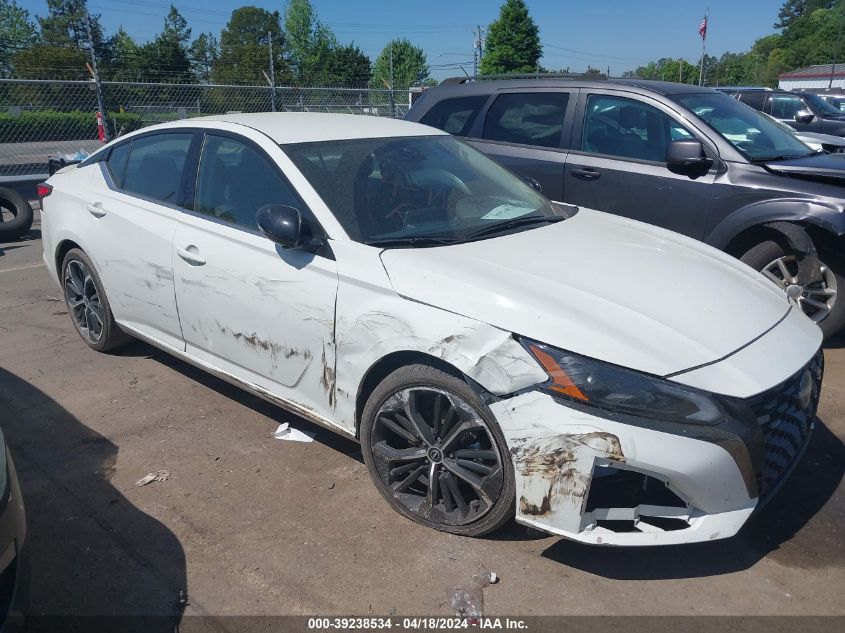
(811, 72)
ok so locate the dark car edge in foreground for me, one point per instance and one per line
(14, 556)
(687, 158)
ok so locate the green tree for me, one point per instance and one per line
(794, 9)
(244, 54)
(165, 58)
(204, 53)
(17, 32)
(348, 66)
(513, 42)
(55, 62)
(409, 66)
(64, 25)
(125, 62)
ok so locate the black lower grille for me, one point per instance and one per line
(785, 414)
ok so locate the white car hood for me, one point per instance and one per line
(613, 289)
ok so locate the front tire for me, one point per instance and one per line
(819, 301)
(87, 304)
(436, 453)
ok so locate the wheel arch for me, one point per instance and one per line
(823, 222)
(739, 244)
(389, 363)
(62, 248)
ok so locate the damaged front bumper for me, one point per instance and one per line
(607, 479)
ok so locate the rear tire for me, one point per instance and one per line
(765, 256)
(15, 216)
(422, 425)
(88, 305)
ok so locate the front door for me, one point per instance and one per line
(620, 166)
(247, 307)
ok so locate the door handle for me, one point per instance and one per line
(191, 255)
(586, 173)
(96, 209)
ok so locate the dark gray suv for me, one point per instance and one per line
(690, 159)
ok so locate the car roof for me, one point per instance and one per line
(305, 127)
(646, 85)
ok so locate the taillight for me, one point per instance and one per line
(44, 190)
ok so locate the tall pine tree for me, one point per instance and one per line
(513, 42)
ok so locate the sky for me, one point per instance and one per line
(621, 34)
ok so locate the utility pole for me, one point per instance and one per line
(89, 44)
(838, 47)
(681, 70)
(703, 32)
(477, 50)
(272, 72)
(392, 97)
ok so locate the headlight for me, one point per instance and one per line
(598, 384)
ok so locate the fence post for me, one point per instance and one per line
(272, 72)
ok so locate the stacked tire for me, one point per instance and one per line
(16, 217)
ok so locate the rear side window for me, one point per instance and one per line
(455, 116)
(155, 166)
(117, 162)
(753, 99)
(534, 118)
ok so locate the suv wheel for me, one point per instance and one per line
(820, 301)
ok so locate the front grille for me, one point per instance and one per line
(785, 423)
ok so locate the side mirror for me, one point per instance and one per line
(687, 157)
(281, 223)
(804, 116)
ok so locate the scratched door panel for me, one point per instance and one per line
(131, 243)
(260, 313)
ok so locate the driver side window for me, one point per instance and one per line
(626, 128)
(235, 180)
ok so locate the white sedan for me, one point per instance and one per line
(494, 353)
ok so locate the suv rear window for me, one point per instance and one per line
(530, 118)
(454, 116)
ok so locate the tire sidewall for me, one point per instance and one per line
(112, 335)
(764, 253)
(427, 376)
(22, 221)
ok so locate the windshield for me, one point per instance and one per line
(821, 106)
(753, 134)
(422, 190)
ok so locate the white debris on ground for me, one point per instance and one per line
(159, 475)
(290, 434)
(467, 600)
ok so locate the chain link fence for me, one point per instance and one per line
(40, 118)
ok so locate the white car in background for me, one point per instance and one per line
(494, 353)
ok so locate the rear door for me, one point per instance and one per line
(248, 307)
(131, 222)
(618, 163)
(527, 131)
